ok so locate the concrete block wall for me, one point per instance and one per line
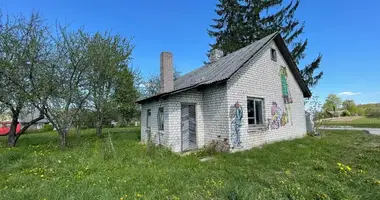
(159, 137)
(171, 136)
(260, 78)
(174, 118)
(215, 112)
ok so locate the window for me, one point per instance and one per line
(148, 118)
(273, 55)
(160, 119)
(255, 111)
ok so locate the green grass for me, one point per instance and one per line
(304, 168)
(365, 122)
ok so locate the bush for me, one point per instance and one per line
(374, 114)
(346, 113)
(47, 127)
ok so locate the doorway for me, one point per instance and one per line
(188, 127)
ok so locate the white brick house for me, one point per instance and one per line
(249, 97)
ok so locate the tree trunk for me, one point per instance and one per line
(78, 130)
(63, 138)
(12, 134)
(99, 125)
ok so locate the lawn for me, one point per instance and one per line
(336, 165)
(365, 122)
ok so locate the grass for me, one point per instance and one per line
(337, 165)
(365, 122)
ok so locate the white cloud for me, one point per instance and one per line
(349, 93)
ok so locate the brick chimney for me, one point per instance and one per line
(166, 72)
(215, 54)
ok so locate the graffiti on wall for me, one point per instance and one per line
(279, 117)
(236, 115)
(285, 93)
(282, 116)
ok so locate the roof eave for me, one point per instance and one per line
(292, 65)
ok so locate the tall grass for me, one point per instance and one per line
(89, 168)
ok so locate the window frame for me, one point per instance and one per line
(148, 114)
(256, 99)
(273, 54)
(161, 119)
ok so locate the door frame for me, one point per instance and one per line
(196, 125)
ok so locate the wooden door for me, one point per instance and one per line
(188, 127)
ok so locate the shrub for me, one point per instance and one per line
(47, 127)
(374, 113)
(346, 113)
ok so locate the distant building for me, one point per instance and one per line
(28, 116)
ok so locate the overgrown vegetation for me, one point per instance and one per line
(63, 73)
(364, 122)
(337, 165)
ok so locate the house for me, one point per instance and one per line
(249, 97)
(30, 114)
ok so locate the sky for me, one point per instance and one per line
(345, 32)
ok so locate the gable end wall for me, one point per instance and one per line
(260, 77)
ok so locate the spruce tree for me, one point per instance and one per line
(242, 22)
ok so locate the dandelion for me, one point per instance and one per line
(138, 195)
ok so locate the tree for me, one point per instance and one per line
(126, 93)
(62, 84)
(108, 58)
(242, 22)
(153, 84)
(23, 46)
(315, 110)
(333, 102)
(350, 106)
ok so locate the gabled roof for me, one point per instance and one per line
(226, 66)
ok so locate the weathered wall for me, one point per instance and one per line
(260, 78)
(171, 136)
(215, 112)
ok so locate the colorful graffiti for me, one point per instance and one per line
(285, 92)
(236, 115)
(279, 117)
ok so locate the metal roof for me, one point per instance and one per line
(226, 66)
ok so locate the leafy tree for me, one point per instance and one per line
(242, 22)
(333, 102)
(107, 56)
(152, 85)
(24, 45)
(126, 93)
(314, 109)
(62, 84)
(350, 106)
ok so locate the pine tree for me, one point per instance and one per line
(242, 22)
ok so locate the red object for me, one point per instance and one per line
(6, 126)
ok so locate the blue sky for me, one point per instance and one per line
(346, 32)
